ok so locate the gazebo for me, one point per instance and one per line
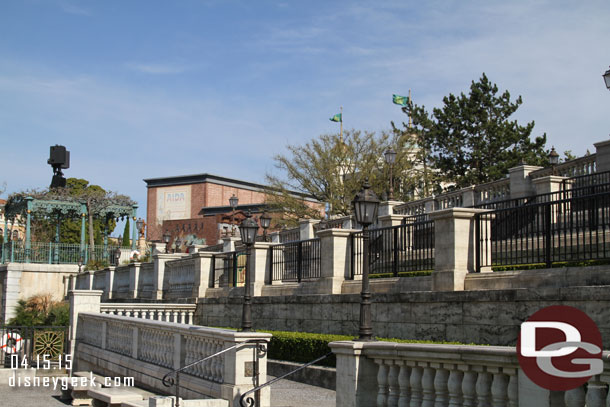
(57, 252)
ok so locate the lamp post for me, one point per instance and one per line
(80, 264)
(117, 256)
(247, 229)
(166, 237)
(607, 78)
(233, 202)
(390, 159)
(140, 227)
(366, 205)
(178, 243)
(265, 223)
(553, 159)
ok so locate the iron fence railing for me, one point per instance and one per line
(33, 346)
(395, 249)
(229, 269)
(564, 230)
(58, 253)
(290, 235)
(296, 261)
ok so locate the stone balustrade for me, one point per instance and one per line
(120, 285)
(146, 350)
(181, 313)
(181, 277)
(386, 374)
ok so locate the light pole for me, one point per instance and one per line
(553, 159)
(265, 223)
(178, 243)
(166, 237)
(366, 205)
(140, 227)
(117, 256)
(80, 264)
(607, 78)
(390, 159)
(247, 229)
(233, 202)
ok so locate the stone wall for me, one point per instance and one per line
(483, 317)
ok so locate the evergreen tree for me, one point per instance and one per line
(471, 139)
(126, 241)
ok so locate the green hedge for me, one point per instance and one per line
(303, 347)
(402, 274)
(558, 264)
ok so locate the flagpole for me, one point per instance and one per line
(341, 131)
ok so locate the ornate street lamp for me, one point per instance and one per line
(553, 159)
(166, 237)
(366, 205)
(247, 229)
(390, 159)
(233, 202)
(117, 256)
(607, 78)
(80, 264)
(140, 227)
(265, 223)
(178, 243)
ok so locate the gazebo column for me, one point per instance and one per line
(28, 236)
(133, 227)
(83, 216)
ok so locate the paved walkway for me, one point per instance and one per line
(284, 393)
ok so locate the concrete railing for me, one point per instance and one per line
(147, 350)
(181, 277)
(394, 374)
(180, 313)
(146, 280)
(120, 285)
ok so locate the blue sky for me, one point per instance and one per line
(141, 89)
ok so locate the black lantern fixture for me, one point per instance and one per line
(366, 205)
(247, 230)
(265, 223)
(140, 227)
(390, 159)
(553, 159)
(80, 264)
(233, 202)
(166, 237)
(178, 244)
(117, 256)
(607, 78)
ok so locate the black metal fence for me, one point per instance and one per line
(404, 248)
(33, 346)
(564, 230)
(296, 261)
(229, 269)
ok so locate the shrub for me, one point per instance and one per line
(96, 265)
(41, 310)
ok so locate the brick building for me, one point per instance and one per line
(196, 207)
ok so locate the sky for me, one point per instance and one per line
(148, 88)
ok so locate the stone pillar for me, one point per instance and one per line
(520, 183)
(160, 281)
(545, 185)
(274, 237)
(387, 208)
(12, 291)
(335, 259)
(228, 243)
(134, 277)
(81, 301)
(454, 247)
(306, 231)
(602, 156)
(109, 283)
(356, 375)
(203, 273)
(429, 204)
(261, 266)
(468, 197)
(390, 220)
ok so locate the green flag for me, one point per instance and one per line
(336, 118)
(400, 100)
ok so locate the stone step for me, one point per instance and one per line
(168, 401)
(112, 396)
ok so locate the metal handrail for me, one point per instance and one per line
(169, 381)
(251, 401)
